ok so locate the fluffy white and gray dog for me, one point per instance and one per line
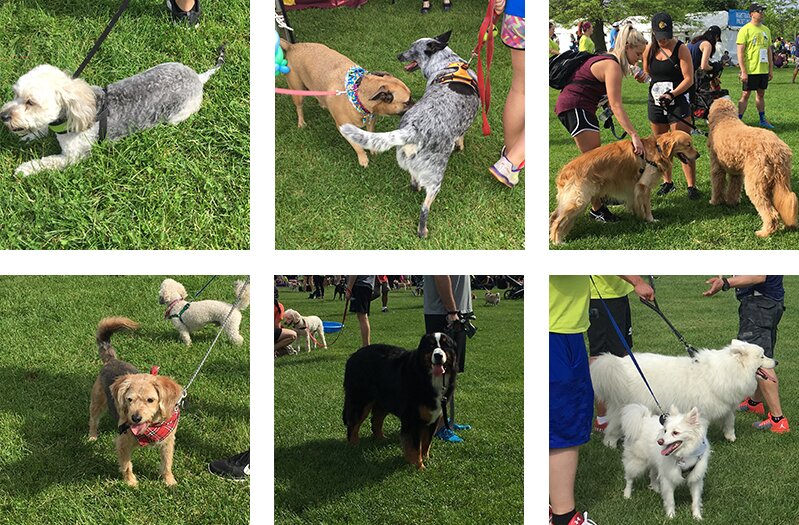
(307, 326)
(714, 381)
(48, 99)
(189, 317)
(431, 129)
(677, 448)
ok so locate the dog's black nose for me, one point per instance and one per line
(5, 116)
(136, 418)
(698, 154)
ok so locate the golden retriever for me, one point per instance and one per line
(754, 158)
(614, 170)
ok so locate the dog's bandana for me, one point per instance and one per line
(460, 75)
(149, 434)
(351, 84)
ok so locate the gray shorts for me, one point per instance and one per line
(758, 317)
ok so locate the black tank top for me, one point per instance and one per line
(667, 70)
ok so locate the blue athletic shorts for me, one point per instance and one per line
(571, 395)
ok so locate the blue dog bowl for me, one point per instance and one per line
(330, 327)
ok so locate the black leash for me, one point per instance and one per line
(663, 415)
(123, 6)
(670, 111)
(656, 308)
(343, 318)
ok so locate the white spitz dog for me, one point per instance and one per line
(670, 451)
(714, 381)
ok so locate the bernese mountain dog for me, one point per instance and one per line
(414, 385)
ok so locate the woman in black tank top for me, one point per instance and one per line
(669, 64)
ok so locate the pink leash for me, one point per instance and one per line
(301, 93)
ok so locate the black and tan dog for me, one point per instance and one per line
(144, 405)
(412, 385)
(316, 67)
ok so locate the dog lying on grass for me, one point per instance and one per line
(754, 158)
(145, 406)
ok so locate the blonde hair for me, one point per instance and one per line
(628, 36)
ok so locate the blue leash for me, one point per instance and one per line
(663, 415)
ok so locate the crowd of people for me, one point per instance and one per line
(674, 70)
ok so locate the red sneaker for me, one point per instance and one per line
(581, 519)
(600, 427)
(746, 407)
(778, 427)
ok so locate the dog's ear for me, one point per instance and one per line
(78, 100)
(383, 95)
(438, 43)
(693, 416)
(666, 143)
(119, 389)
(169, 393)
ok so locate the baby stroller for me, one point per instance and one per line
(515, 289)
(708, 89)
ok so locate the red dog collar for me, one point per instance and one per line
(169, 308)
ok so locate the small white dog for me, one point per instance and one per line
(670, 451)
(48, 99)
(715, 381)
(492, 299)
(189, 317)
(309, 327)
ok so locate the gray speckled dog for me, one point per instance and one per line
(435, 125)
(46, 98)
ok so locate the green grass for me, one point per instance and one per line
(682, 224)
(170, 187)
(749, 481)
(326, 200)
(321, 479)
(49, 471)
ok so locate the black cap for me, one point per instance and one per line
(662, 26)
(715, 31)
(756, 7)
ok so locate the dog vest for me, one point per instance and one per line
(460, 76)
(351, 84)
(688, 463)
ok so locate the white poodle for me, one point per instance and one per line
(48, 99)
(310, 327)
(189, 317)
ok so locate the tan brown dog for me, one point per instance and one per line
(614, 170)
(316, 67)
(754, 158)
(144, 405)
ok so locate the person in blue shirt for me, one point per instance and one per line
(761, 307)
(613, 34)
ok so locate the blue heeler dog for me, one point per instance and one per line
(435, 125)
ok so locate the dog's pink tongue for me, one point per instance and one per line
(438, 370)
(410, 66)
(138, 429)
(671, 448)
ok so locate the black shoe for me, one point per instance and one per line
(666, 188)
(236, 468)
(424, 10)
(693, 193)
(192, 17)
(603, 214)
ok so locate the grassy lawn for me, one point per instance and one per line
(321, 479)
(746, 481)
(171, 187)
(49, 471)
(682, 224)
(326, 200)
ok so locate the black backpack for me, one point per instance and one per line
(562, 67)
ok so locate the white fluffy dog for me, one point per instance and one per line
(715, 382)
(678, 447)
(189, 317)
(48, 99)
(306, 326)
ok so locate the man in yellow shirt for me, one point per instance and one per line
(571, 395)
(756, 59)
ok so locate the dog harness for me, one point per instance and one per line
(59, 127)
(179, 315)
(158, 432)
(460, 76)
(688, 463)
(351, 84)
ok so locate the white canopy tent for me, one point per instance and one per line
(684, 31)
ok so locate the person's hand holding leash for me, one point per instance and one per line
(499, 6)
(638, 145)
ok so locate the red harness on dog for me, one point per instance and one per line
(155, 433)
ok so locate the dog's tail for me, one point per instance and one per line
(786, 203)
(220, 61)
(632, 420)
(377, 141)
(242, 290)
(106, 329)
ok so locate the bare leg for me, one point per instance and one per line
(562, 473)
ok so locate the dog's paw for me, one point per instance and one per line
(92, 438)
(670, 514)
(697, 516)
(730, 437)
(26, 168)
(609, 442)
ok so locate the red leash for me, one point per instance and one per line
(485, 36)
